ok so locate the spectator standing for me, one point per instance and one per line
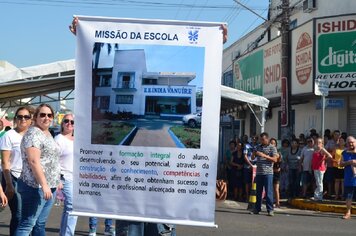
(227, 163)
(306, 157)
(11, 163)
(65, 143)
(349, 161)
(318, 166)
(284, 167)
(265, 155)
(330, 146)
(40, 173)
(248, 165)
(293, 162)
(276, 173)
(237, 164)
(339, 170)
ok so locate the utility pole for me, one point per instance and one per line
(287, 128)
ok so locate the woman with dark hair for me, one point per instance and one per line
(227, 162)
(284, 168)
(40, 173)
(339, 170)
(11, 163)
(65, 143)
(293, 162)
(276, 172)
(237, 164)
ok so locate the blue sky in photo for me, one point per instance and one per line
(165, 58)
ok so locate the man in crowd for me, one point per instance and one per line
(265, 155)
(349, 162)
(306, 159)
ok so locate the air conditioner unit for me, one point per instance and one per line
(309, 6)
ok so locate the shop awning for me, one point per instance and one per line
(233, 96)
(234, 101)
(19, 83)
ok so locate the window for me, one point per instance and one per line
(149, 81)
(104, 102)
(126, 81)
(124, 99)
(105, 81)
(228, 79)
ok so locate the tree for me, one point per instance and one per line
(96, 58)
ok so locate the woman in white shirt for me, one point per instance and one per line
(65, 142)
(12, 162)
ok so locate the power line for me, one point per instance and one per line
(249, 9)
(119, 3)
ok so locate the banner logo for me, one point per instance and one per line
(193, 36)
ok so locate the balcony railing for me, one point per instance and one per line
(126, 85)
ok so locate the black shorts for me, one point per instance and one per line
(276, 177)
(338, 173)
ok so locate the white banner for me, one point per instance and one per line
(136, 81)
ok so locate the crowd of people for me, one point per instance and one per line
(300, 167)
(35, 164)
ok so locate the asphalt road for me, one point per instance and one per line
(232, 220)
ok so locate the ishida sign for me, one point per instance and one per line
(336, 52)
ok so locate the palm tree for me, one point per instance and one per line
(97, 51)
(96, 57)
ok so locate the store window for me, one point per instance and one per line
(124, 99)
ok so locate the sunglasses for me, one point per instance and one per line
(66, 121)
(49, 115)
(20, 117)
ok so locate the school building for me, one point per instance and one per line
(129, 87)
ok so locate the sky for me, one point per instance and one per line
(35, 32)
(165, 58)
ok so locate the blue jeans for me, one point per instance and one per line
(319, 176)
(265, 181)
(93, 222)
(132, 228)
(68, 222)
(14, 204)
(35, 210)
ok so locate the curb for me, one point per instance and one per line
(176, 140)
(305, 204)
(128, 138)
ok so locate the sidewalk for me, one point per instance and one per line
(324, 206)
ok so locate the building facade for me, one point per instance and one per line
(129, 87)
(321, 47)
